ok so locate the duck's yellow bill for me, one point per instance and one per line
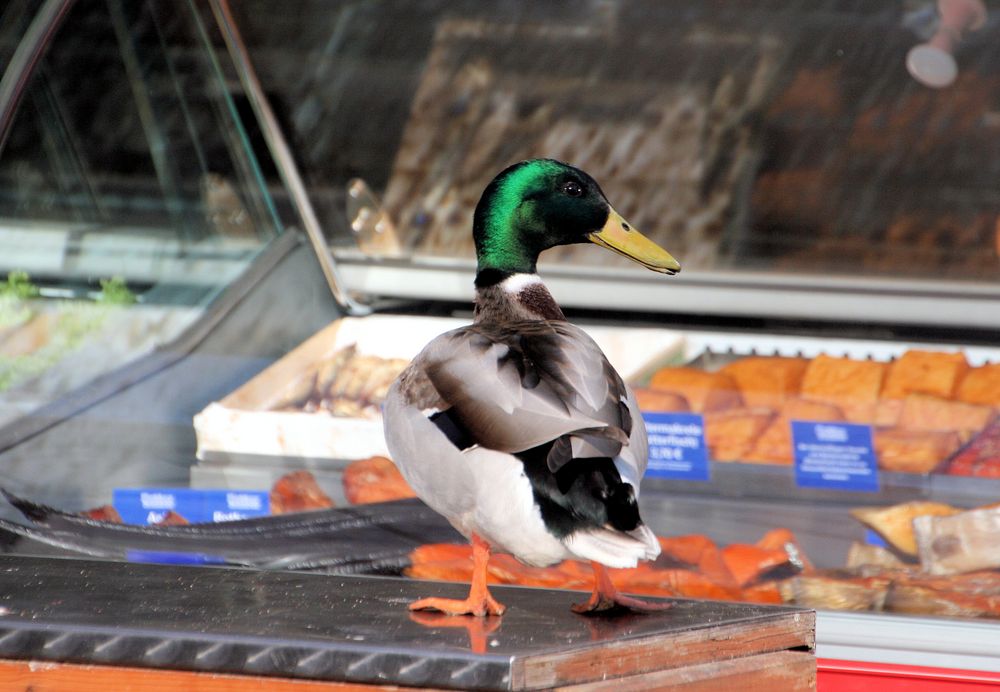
(619, 236)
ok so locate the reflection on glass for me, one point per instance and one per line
(787, 137)
(129, 194)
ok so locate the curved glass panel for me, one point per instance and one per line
(792, 137)
(130, 194)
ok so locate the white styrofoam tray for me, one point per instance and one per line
(241, 423)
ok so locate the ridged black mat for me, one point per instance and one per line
(374, 539)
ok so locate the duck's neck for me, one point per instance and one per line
(514, 297)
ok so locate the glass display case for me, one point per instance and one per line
(130, 194)
(138, 205)
(788, 154)
(825, 172)
(828, 191)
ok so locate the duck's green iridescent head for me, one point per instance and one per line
(541, 203)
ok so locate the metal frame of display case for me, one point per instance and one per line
(22, 64)
(908, 641)
(709, 293)
(282, 154)
(39, 35)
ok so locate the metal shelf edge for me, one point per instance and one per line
(938, 304)
(919, 641)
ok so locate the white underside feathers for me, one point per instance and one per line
(613, 548)
(648, 538)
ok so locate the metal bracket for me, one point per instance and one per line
(283, 158)
(25, 60)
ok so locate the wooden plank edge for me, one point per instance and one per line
(672, 650)
(789, 671)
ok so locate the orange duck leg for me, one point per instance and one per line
(479, 602)
(606, 596)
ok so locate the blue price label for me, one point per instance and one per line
(837, 456)
(677, 446)
(874, 538)
(150, 505)
(166, 557)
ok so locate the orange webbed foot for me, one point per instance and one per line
(605, 602)
(478, 606)
(607, 597)
(479, 602)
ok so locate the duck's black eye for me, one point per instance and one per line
(572, 188)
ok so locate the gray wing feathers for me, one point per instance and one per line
(519, 386)
(631, 463)
(611, 548)
(606, 441)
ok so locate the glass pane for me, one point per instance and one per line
(789, 137)
(129, 194)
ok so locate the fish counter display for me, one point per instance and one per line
(931, 407)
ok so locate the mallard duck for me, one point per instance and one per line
(517, 428)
